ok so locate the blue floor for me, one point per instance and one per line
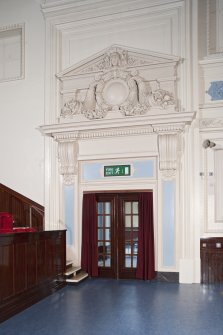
(121, 307)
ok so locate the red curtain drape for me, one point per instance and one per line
(89, 257)
(145, 260)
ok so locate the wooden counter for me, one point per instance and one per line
(31, 268)
(211, 260)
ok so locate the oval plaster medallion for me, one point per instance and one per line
(115, 92)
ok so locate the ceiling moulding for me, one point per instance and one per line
(63, 7)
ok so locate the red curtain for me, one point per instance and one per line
(145, 260)
(89, 258)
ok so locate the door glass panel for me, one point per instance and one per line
(127, 247)
(100, 234)
(135, 234)
(107, 247)
(127, 207)
(107, 221)
(107, 207)
(128, 221)
(107, 261)
(100, 248)
(107, 234)
(135, 247)
(131, 233)
(127, 261)
(100, 260)
(104, 240)
(100, 221)
(134, 261)
(135, 207)
(100, 207)
(128, 234)
(135, 221)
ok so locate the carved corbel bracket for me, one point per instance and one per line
(168, 145)
(67, 156)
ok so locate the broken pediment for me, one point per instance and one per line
(118, 82)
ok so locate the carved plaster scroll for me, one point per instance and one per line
(67, 156)
(168, 145)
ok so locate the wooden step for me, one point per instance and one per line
(72, 270)
(78, 278)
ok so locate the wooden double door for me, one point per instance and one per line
(117, 234)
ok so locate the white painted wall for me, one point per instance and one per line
(22, 106)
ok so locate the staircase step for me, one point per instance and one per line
(72, 270)
(78, 278)
(69, 263)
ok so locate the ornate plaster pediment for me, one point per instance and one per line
(119, 82)
(119, 56)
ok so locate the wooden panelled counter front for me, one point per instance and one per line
(31, 267)
(211, 260)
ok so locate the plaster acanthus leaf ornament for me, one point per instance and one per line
(95, 113)
(68, 179)
(114, 57)
(72, 107)
(168, 174)
(162, 98)
(133, 110)
(67, 156)
(132, 61)
(116, 89)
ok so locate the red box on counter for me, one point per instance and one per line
(6, 225)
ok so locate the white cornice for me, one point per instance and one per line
(173, 122)
(102, 7)
(92, 134)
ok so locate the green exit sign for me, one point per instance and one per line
(117, 170)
